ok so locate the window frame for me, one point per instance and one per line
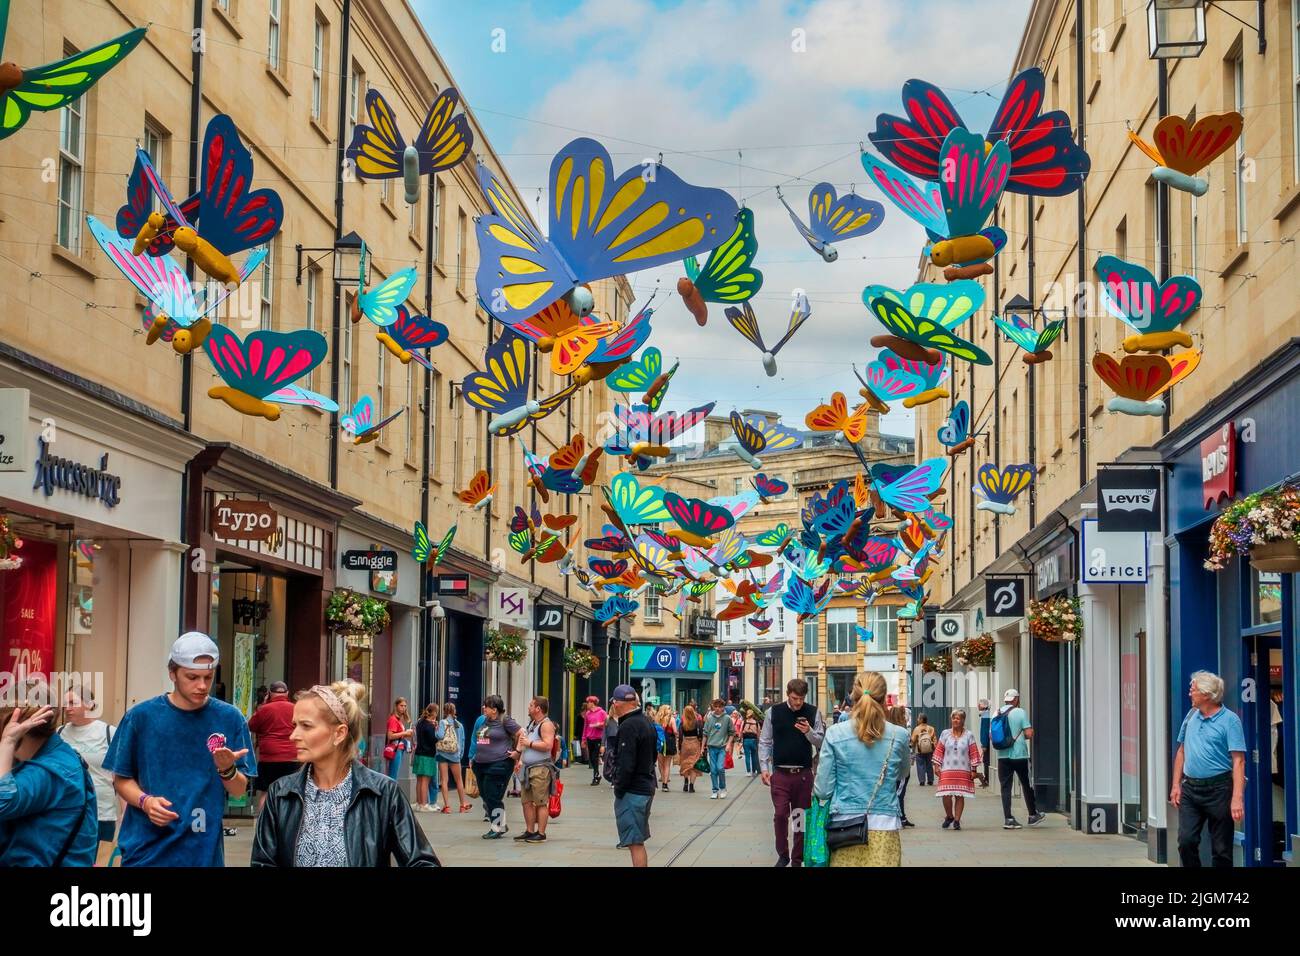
(266, 307)
(275, 35)
(72, 164)
(319, 39)
(1238, 61)
(816, 637)
(839, 629)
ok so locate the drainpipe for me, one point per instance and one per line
(997, 409)
(336, 335)
(1033, 403)
(1081, 315)
(1162, 215)
(426, 616)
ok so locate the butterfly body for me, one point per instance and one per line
(1138, 379)
(1181, 150)
(727, 276)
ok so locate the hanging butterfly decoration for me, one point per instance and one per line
(502, 388)
(698, 522)
(176, 315)
(922, 320)
(834, 219)
(954, 210)
(835, 417)
(800, 598)
(54, 85)
(380, 303)
(410, 336)
(1000, 486)
(569, 339)
(600, 225)
(1044, 158)
(568, 471)
(908, 488)
(756, 434)
(776, 538)
(864, 636)
(728, 275)
(955, 433)
(1035, 342)
(633, 503)
(745, 322)
(645, 375)
(378, 150)
(259, 371)
(615, 351)
(646, 435)
(359, 425)
(1181, 150)
(1154, 310)
(423, 547)
(769, 488)
(230, 218)
(891, 377)
(1137, 380)
(615, 608)
(479, 493)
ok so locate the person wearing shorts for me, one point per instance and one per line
(634, 773)
(538, 770)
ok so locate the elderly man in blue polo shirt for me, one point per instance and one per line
(1209, 773)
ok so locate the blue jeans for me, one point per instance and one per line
(717, 775)
(394, 765)
(751, 755)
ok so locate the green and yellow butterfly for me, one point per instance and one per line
(634, 503)
(728, 275)
(910, 335)
(645, 375)
(422, 548)
(54, 85)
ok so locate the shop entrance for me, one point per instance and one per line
(462, 677)
(1264, 830)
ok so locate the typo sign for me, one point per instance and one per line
(1004, 597)
(1128, 499)
(370, 560)
(1219, 466)
(235, 520)
(548, 618)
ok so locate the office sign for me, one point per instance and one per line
(1112, 557)
(1004, 597)
(548, 619)
(370, 560)
(1128, 499)
(950, 628)
(704, 627)
(14, 410)
(234, 520)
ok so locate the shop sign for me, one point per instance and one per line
(451, 585)
(1219, 466)
(55, 472)
(234, 520)
(950, 628)
(370, 560)
(548, 618)
(737, 658)
(1128, 499)
(14, 403)
(1053, 573)
(1004, 597)
(704, 627)
(1112, 557)
(510, 606)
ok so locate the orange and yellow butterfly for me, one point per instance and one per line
(479, 493)
(835, 417)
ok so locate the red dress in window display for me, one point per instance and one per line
(27, 610)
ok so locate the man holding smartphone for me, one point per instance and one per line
(792, 735)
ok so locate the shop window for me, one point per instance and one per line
(1265, 597)
(839, 686)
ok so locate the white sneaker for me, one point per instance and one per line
(722, 795)
(713, 795)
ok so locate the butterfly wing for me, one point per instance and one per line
(503, 384)
(379, 304)
(636, 503)
(376, 149)
(922, 204)
(1025, 337)
(636, 376)
(911, 491)
(956, 427)
(161, 280)
(744, 321)
(297, 395)
(729, 275)
(605, 225)
(926, 332)
(750, 438)
(949, 304)
(445, 544)
(132, 214)
(421, 548)
(411, 331)
(445, 139)
(1131, 293)
(912, 143)
(696, 516)
(809, 236)
(1045, 159)
(266, 360)
(55, 85)
(979, 174)
(230, 216)
(834, 219)
(775, 437)
(627, 340)
(1190, 150)
(800, 312)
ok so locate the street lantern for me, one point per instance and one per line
(1017, 303)
(349, 259)
(1175, 28)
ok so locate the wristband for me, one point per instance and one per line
(140, 803)
(228, 774)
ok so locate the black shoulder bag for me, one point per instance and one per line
(853, 830)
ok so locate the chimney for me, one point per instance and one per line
(717, 428)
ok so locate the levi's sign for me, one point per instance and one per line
(1128, 499)
(370, 560)
(234, 520)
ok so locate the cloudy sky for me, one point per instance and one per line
(744, 95)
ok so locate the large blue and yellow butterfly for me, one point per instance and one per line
(501, 389)
(601, 225)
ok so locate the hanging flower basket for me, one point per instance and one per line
(580, 661)
(938, 664)
(1056, 619)
(351, 613)
(9, 545)
(976, 652)
(1264, 526)
(505, 648)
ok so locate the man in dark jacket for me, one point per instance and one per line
(634, 774)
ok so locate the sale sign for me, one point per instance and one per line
(28, 596)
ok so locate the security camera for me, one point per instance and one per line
(436, 609)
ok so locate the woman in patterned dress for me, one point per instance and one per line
(956, 760)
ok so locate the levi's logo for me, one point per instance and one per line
(1130, 499)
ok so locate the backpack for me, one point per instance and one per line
(661, 737)
(925, 742)
(450, 742)
(1000, 735)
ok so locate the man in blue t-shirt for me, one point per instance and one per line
(175, 758)
(1014, 761)
(1209, 773)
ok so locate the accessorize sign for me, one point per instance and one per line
(90, 482)
(234, 520)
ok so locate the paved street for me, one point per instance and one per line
(692, 830)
